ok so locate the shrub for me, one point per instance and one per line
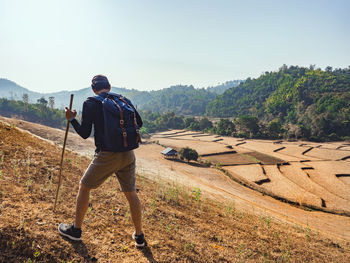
(188, 154)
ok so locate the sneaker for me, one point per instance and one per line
(139, 240)
(68, 230)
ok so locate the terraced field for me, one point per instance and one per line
(306, 174)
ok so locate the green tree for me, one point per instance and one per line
(52, 102)
(225, 127)
(25, 98)
(205, 124)
(194, 126)
(42, 101)
(188, 121)
(188, 154)
(274, 129)
(249, 124)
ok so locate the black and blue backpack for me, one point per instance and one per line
(121, 122)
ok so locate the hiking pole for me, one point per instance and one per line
(64, 147)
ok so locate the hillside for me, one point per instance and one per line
(13, 91)
(180, 225)
(39, 112)
(180, 99)
(313, 101)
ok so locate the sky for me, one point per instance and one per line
(48, 45)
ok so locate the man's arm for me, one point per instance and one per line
(83, 129)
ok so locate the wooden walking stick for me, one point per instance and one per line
(64, 147)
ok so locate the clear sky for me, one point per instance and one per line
(49, 46)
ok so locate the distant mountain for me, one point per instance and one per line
(180, 99)
(12, 91)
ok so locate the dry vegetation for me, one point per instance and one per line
(180, 224)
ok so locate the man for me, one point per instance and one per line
(104, 164)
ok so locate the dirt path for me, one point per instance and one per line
(215, 184)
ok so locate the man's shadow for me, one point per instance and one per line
(146, 251)
(81, 249)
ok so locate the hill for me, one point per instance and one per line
(310, 101)
(12, 91)
(181, 225)
(180, 99)
(39, 112)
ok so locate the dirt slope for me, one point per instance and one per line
(178, 228)
(217, 185)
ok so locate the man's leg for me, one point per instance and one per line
(135, 209)
(73, 231)
(82, 204)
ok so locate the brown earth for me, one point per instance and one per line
(273, 156)
(27, 223)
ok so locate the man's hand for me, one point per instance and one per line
(70, 114)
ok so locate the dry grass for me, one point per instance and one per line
(180, 224)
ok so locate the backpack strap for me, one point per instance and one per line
(138, 137)
(121, 123)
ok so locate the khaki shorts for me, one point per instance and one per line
(105, 164)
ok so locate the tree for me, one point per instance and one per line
(52, 102)
(225, 127)
(329, 69)
(194, 126)
(188, 121)
(249, 124)
(42, 101)
(25, 98)
(205, 123)
(188, 154)
(274, 128)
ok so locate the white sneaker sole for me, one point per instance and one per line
(70, 237)
(136, 244)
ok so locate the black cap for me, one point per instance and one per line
(100, 82)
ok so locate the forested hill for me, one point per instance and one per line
(180, 99)
(316, 100)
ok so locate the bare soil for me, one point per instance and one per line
(234, 224)
(287, 187)
(230, 159)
